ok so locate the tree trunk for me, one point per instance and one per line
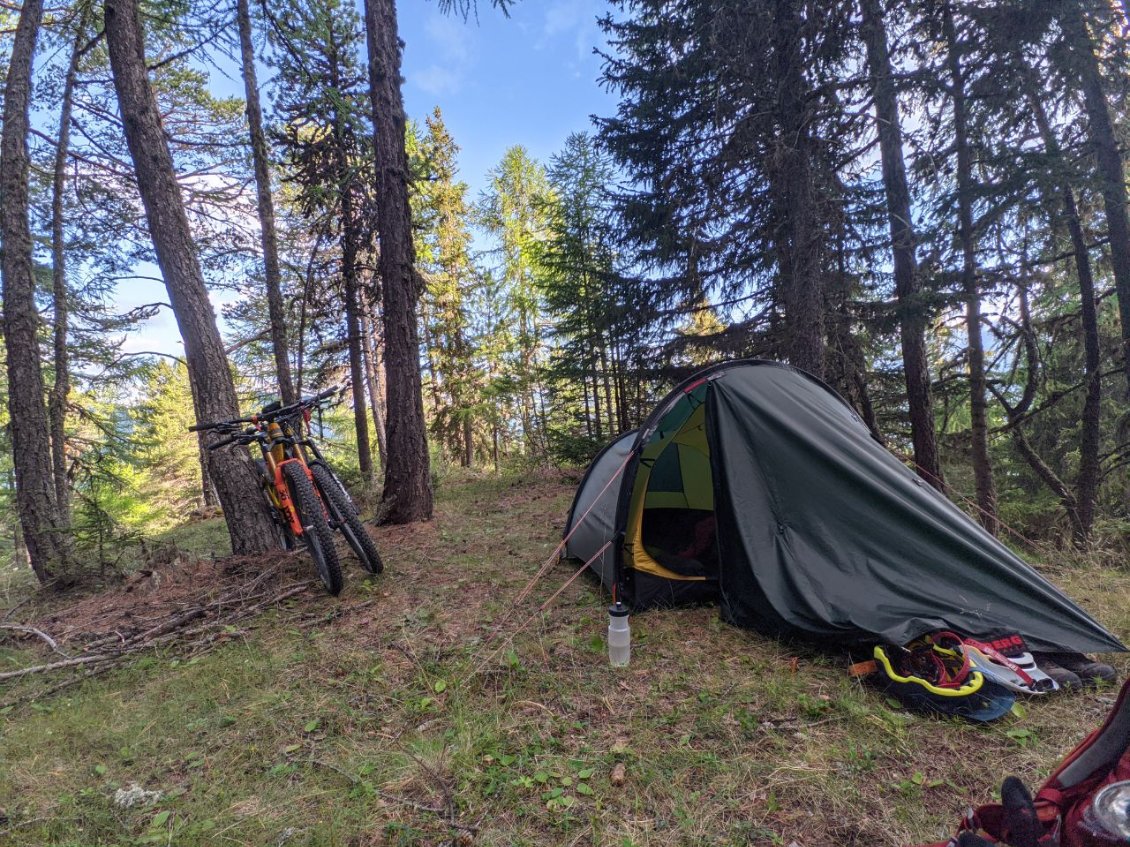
(356, 371)
(376, 383)
(468, 441)
(57, 407)
(430, 363)
(596, 407)
(588, 407)
(267, 236)
(207, 489)
(213, 391)
(912, 317)
(31, 447)
(797, 243)
(1082, 507)
(978, 427)
(607, 385)
(1107, 159)
(407, 489)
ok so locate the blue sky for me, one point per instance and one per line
(529, 79)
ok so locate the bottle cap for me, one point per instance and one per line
(1111, 808)
(618, 610)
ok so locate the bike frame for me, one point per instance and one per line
(284, 448)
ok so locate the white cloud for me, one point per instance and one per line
(437, 80)
(451, 35)
(574, 19)
(450, 46)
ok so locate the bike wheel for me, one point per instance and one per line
(345, 516)
(315, 530)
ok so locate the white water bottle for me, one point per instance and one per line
(619, 636)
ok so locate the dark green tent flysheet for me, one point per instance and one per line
(755, 485)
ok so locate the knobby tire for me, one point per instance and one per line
(345, 515)
(316, 530)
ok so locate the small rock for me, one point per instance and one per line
(135, 795)
(619, 774)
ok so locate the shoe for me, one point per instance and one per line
(1063, 677)
(1089, 671)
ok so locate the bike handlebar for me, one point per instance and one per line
(281, 412)
(218, 424)
(304, 403)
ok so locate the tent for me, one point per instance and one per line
(755, 485)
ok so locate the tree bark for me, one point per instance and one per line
(57, 406)
(978, 427)
(356, 365)
(913, 315)
(374, 380)
(1108, 160)
(213, 391)
(207, 489)
(267, 235)
(407, 489)
(31, 447)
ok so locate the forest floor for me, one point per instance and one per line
(389, 716)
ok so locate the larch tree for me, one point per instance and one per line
(576, 269)
(213, 391)
(443, 253)
(514, 210)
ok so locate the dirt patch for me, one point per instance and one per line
(155, 593)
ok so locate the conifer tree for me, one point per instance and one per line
(325, 133)
(443, 252)
(31, 449)
(514, 210)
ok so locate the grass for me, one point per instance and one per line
(361, 720)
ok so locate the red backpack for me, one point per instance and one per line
(1056, 818)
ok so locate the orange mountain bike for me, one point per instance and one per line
(306, 498)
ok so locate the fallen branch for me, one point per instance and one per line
(38, 633)
(197, 630)
(54, 666)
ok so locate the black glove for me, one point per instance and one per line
(1020, 823)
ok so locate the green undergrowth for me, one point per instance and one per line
(423, 707)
